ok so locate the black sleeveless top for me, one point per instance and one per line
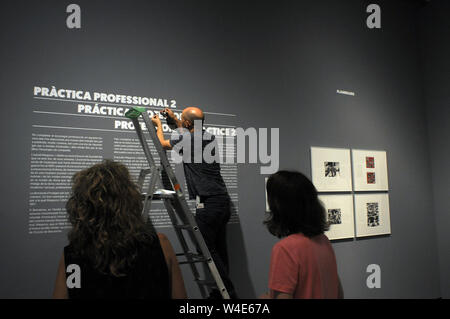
(149, 277)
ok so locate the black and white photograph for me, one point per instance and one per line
(373, 216)
(332, 169)
(334, 216)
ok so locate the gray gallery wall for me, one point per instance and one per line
(274, 64)
(436, 66)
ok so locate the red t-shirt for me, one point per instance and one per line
(304, 267)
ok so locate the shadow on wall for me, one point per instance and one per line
(238, 262)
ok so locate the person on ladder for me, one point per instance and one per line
(204, 183)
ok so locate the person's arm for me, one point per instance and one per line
(281, 295)
(60, 290)
(176, 279)
(159, 132)
(276, 295)
(173, 117)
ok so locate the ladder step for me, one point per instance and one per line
(164, 192)
(188, 227)
(192, 261)
(196, 258)
(205, 282)
(183, 226)
(190, 254)
(160, 194)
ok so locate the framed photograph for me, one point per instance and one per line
(331, 169)
(370, 170)
(372, 215)
(339, 212)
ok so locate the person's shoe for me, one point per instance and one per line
(215, 294)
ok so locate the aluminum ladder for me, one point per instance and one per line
(176, 205)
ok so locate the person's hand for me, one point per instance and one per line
(169, 113)
(156, 120)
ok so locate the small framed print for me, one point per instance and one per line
(372, 215)
(371, 178)
(370, 170)
(339, 214)
(370, 162)
(331, 169)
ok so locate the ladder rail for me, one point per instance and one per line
(184, 246)
(141, 178)
(143, 142)
(197, 239)
(151, 190)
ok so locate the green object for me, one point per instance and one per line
(134, 112)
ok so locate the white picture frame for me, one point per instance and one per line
(331, 169)
(372, 215)
(340, 214)
(370, 171)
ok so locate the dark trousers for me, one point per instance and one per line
(212, 220)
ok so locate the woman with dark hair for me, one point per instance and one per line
(303, 264)
(116, 252)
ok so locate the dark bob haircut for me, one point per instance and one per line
(294, 206)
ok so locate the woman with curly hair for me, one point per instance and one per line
(303, 264)
(118, 253)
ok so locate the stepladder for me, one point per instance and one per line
(163, 185)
